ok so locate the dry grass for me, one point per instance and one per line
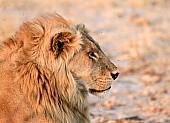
(136, 36)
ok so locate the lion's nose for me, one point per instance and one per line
(114, 75)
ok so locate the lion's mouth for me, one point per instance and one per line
(98, 91)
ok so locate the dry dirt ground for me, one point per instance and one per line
(135, 34)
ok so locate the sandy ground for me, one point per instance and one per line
(135, 34)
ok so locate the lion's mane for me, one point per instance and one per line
(50, 87)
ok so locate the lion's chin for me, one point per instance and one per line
(100, 93)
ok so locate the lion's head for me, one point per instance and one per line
(56, 44)
(56, 63)
(93, 65)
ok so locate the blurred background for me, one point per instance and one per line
(135, 34)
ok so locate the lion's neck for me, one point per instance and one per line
(74, 109)
(61, 97)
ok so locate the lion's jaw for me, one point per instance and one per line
(100, 93)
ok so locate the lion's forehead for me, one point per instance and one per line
(90, 44)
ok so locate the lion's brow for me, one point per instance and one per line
(93, 41)
(85, 33)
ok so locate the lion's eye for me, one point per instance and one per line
(93, 55)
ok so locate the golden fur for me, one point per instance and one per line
(41, 75)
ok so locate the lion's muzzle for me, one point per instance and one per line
(114, 75)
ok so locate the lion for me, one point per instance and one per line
(47, 70)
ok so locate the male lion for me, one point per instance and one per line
(46, 71)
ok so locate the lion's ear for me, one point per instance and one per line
(80, 26)
(61, 42)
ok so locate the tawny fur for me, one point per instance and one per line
(46, 71)
(35, 86)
